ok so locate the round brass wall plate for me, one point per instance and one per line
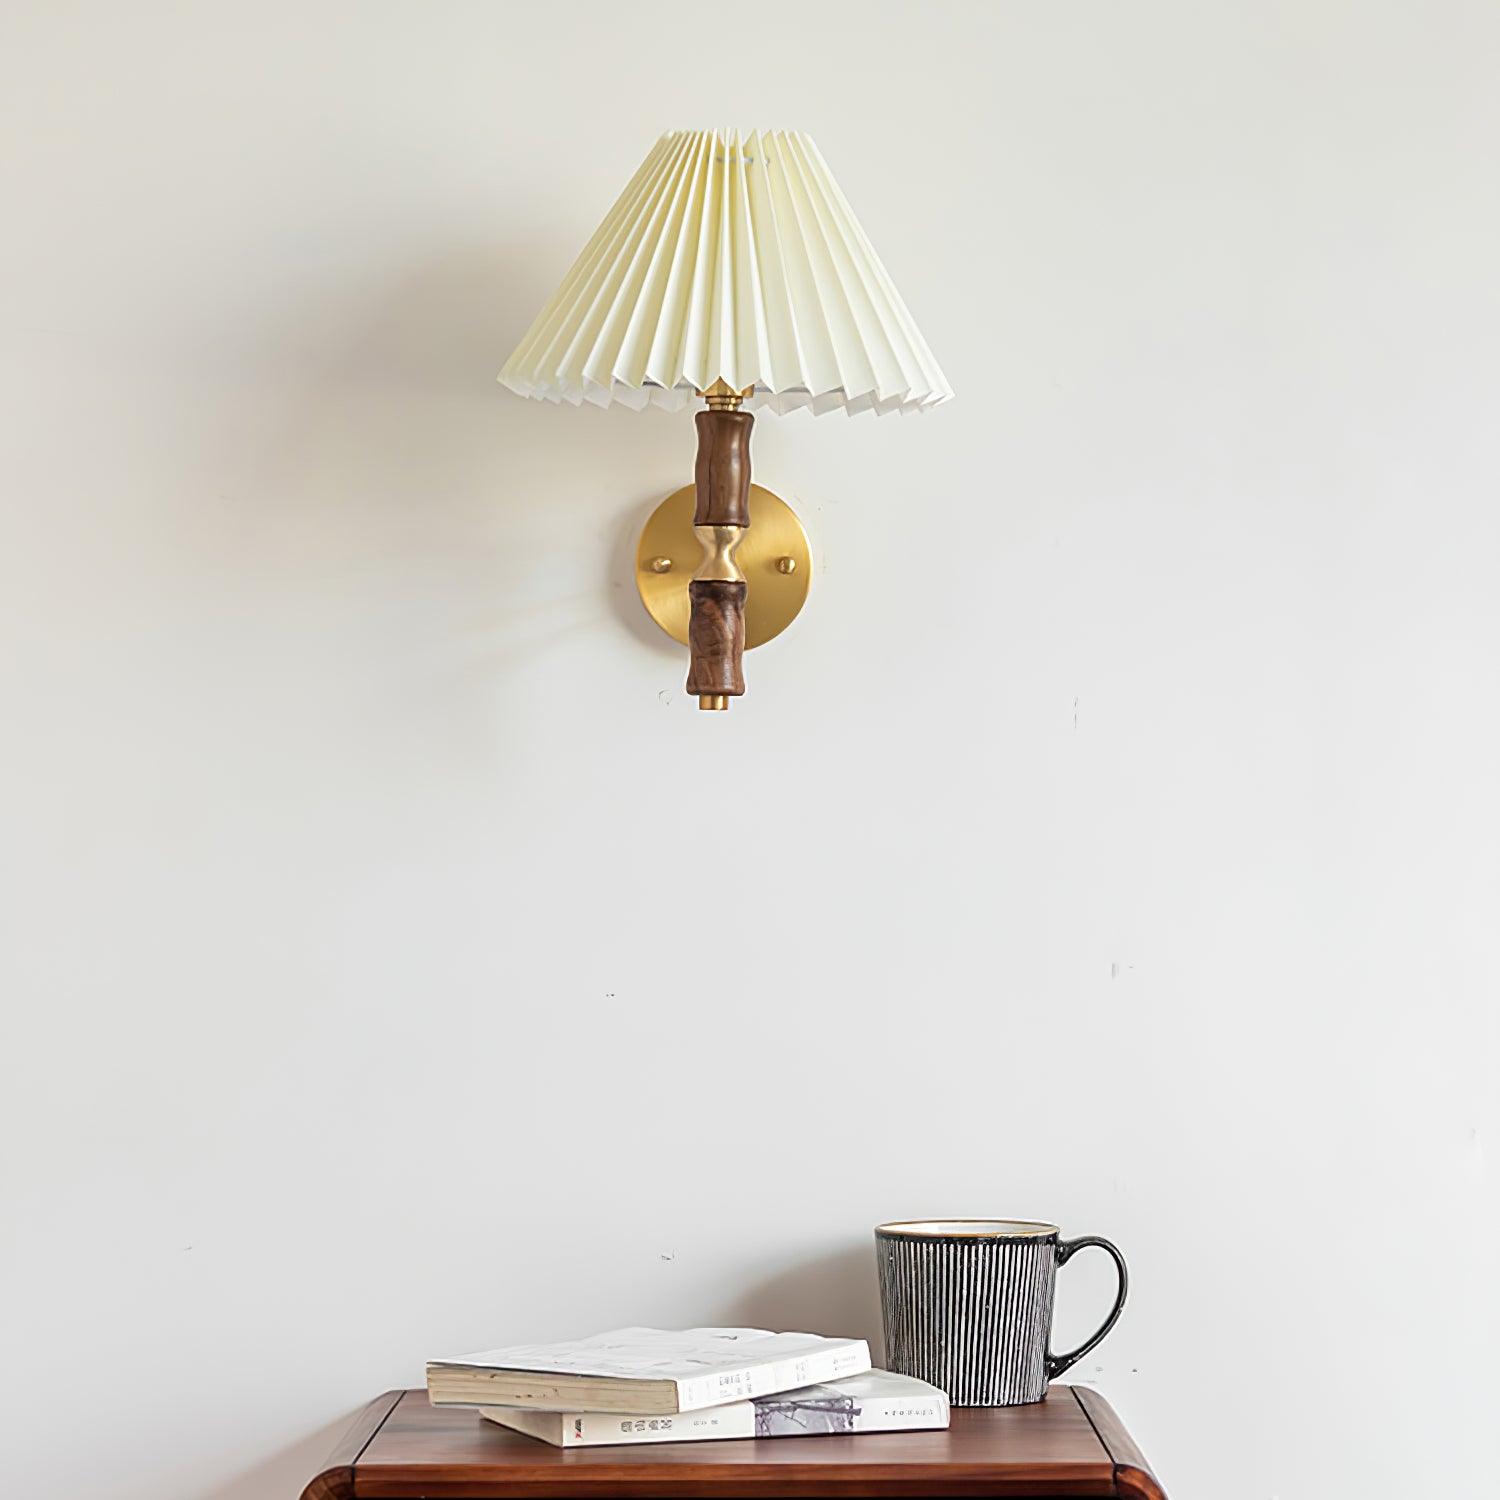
(773, 556)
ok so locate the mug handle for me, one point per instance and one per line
(1057, 1363)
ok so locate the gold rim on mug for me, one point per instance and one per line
(981, 1229)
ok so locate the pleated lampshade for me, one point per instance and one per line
(730, 258)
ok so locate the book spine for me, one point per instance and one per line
(738, 1420)
(597, 1428)
(901, 1414)
(767, 1380)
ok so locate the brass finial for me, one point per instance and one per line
(721, 396)
(719, 701)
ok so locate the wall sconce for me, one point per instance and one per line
(732, 269)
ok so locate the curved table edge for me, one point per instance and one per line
(1133, 1476)
(335, 1481)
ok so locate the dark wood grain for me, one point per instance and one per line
(722, 473)
(716, 637)
(335, 1481)
(716, 624)
(1133, 1476)
(1052, 1448)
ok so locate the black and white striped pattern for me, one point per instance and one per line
(971, 1315)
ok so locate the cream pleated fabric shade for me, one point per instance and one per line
(731, 258)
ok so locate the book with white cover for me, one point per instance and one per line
(877, 1401)
(645, 1371)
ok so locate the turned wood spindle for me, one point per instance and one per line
(716, 628)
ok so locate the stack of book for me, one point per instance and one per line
(647, 1385)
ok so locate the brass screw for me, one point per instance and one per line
(786, 564)
(660, 564)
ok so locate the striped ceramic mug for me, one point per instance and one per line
(967, 1305)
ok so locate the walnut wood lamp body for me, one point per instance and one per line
(1070, 1444)
(716, 630)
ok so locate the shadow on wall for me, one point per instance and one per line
(620, 580)
(284, 1475)
(379, 442)
(362, 485)
(836, 1294)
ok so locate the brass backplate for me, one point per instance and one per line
(776, 593)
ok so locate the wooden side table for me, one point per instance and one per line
(1070, 1444)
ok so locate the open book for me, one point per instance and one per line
(645, 1371)
(876, 1401)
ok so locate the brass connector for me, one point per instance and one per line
(718, 543)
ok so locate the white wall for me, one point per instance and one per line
(1117, 830)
